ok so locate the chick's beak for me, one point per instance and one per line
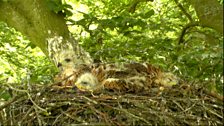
(83, 87)
(79, 86)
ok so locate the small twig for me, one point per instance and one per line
(37, 115)
(35, 103)
(178, 105)
(130, 114)
(25, 91)
(212, 112)
(11, 101)
(25, 116)
(66, 114)
(93, 101)
(15, 89)
(190, 107)
(56, 83)
(55, 121)
(102, 114)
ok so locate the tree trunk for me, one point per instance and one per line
(210, 13)
(44, 28)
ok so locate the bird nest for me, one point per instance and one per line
(185, 104)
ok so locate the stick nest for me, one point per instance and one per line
(46, 105)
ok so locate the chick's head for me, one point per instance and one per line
(167, 79)
(88, 82)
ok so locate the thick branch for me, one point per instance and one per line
(184, 30)
(34, 20)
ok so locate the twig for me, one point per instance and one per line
(25, 116)
(190, 107)
(212, 112)
(102, 114)
(93, 101)
(55, 121)
(24, 91)
(178, 105)
(184, 11)
(132, 115)
(35, 103)
(56, 83)
(68, 115)
(15, 89)
(37, 115)
(11, 101)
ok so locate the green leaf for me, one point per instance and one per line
(149, 14)
(31, 45)
(4, 94)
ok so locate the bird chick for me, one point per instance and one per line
(167, 79)
(88, 82)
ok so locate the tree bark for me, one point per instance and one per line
(210, 13)
(44, 28)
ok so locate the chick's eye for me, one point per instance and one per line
(59, 65)
(84, 82)
(169, 79)
(68, 60)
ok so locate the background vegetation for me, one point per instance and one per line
(124, 31)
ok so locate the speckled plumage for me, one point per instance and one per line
(123, 77)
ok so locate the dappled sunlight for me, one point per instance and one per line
(111, 62)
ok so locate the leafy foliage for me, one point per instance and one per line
(118, 31)
(20, 61)
(151, 34)
(58, 6)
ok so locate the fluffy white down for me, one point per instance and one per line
(88, 82)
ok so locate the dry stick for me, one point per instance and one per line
(11, 101)
(212, 112)
(19, 90)
(27, 113)
(93, 101)
(66, 114)
(25, 91)
(178, 105)
(56, 83)
(37, 115)
(100, 113)
(62, 80)
(190, 107)
(35, 103)
(55, 121)
(132, 115)
(14, 98)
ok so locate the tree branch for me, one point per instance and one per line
(184, 30)
(184, 11)
(134, 4)
(6, 104)
(186, 27)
